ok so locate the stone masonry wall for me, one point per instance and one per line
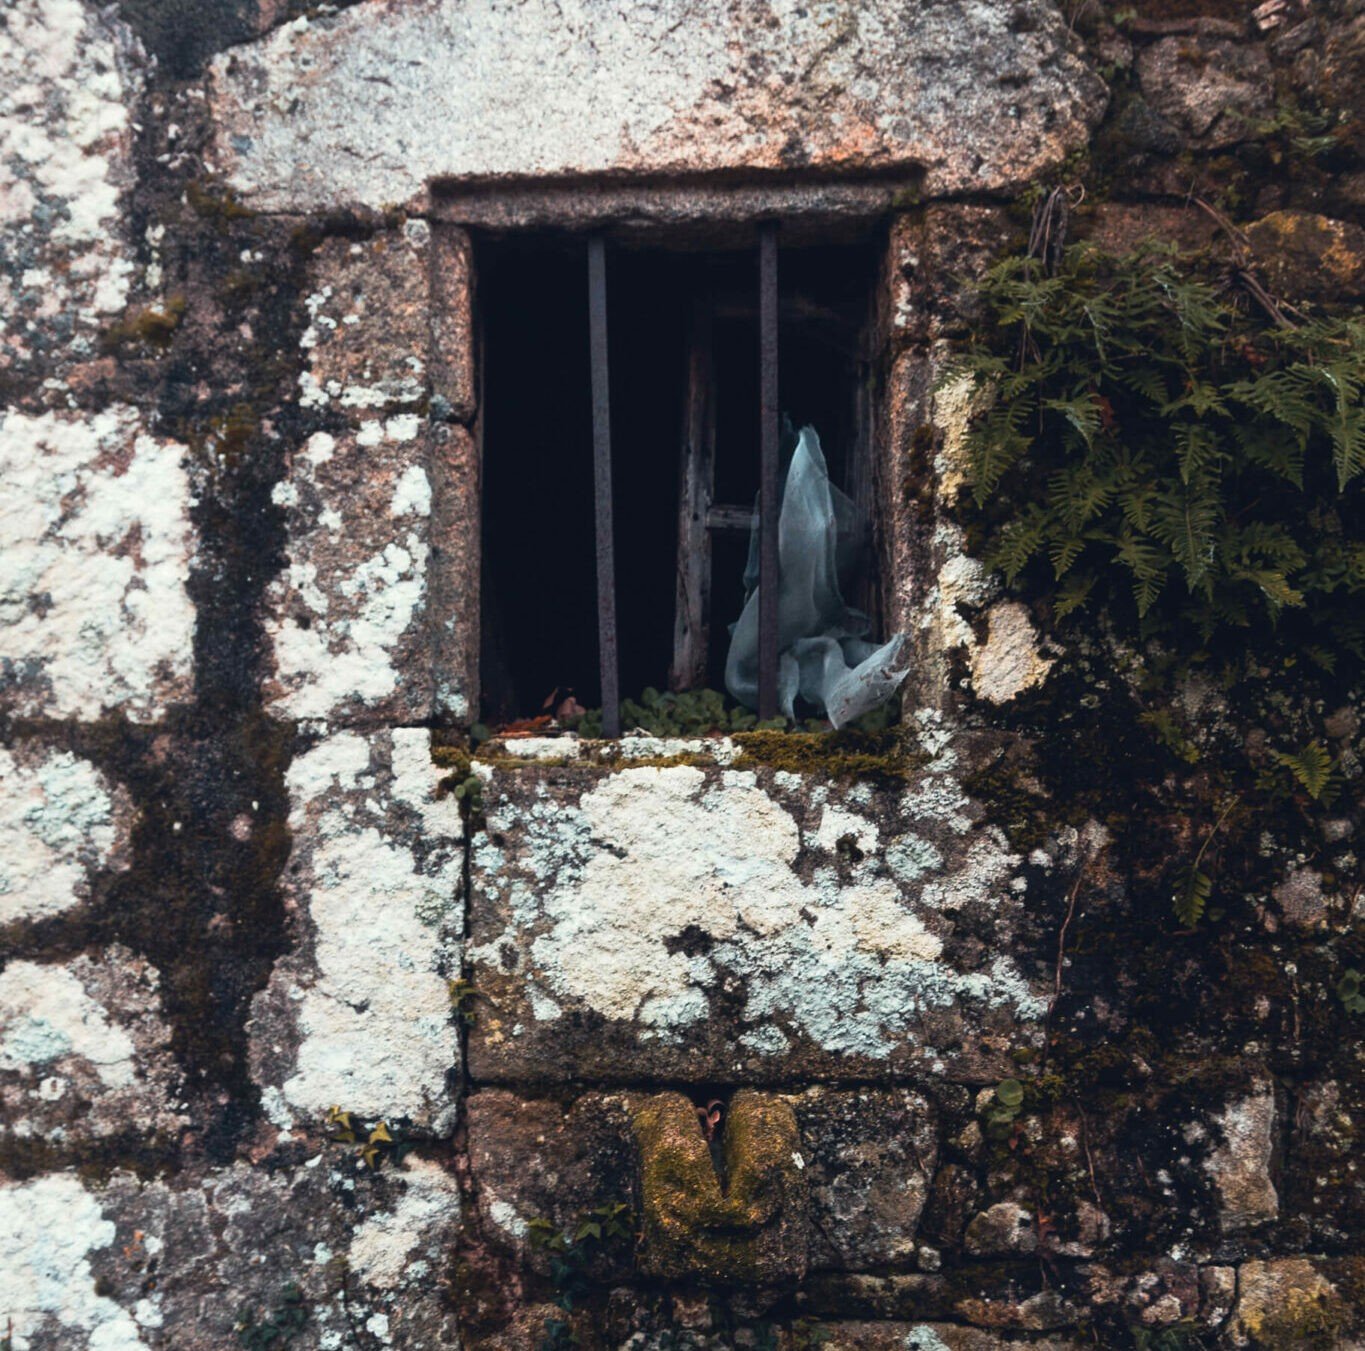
(658, 1044)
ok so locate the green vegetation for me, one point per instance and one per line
(278, 1329)
(1149, 443)
(571, 1253)
(374, 1144)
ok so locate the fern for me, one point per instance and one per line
(1192, 897)
(1136, 429)
(1312, 765)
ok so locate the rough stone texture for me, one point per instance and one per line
(62, 825)
(870, 1155)
(368, 107)
(368, 337)
(196, 1266)
(925, 1337)
(1213, 90)
(1005, 1227)
(95, 550)
(453, 378)
(1008, 662)
(358, 1014)
(739, 926)
(1287, 1302)
(85, 1055)
(534, 1158)
(867, 1155)
(230, 897)
(69, 76)
(1240, 1165)
(1307, 256)
(348, 615)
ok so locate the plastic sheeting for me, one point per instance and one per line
(824, 657)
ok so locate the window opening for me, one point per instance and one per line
(682, 337)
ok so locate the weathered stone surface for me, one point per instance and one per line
(358, 1014)
(536, 1159)
(1240, 1164)
(62, 824)
(368, 337)
(931, 255)
(735, 925)
(95, 552)
(925, 1337)
(1307, 256)
(867, 1157)
(870, 1155)
(1343, 75)
(1003, 1228)
(1287, 1302)
(84, 1053)
(370, 106)
(196, 1266)
(1212, 90)
(69, 76)
(348, 615)
(1009, 661)
(452, 323)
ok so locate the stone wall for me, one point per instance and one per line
(299, 1049)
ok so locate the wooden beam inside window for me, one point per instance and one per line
(692, 614)
(601, 464)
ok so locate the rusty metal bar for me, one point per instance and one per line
(601, 469)
(769, 485)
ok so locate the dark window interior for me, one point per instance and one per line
(539, 613)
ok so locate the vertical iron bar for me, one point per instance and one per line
(601, 468)
(769, 486)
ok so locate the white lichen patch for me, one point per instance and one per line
(345, 616)
(84, 1050)
(392, 1244)
(95, 552)
(660, 886)
(1009, 661)
(376, 870)
(46, 1016)
(48, 1229)
(68, 76)
(1240, 1165)
(61, 821)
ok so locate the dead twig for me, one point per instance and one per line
(1061, 955)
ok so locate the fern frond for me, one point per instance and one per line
(1191, 898)
(1312, 765)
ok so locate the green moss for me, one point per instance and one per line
(692, 1230)
(832, 755)
(151, 327)
(213, 202)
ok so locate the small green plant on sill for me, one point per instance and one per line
(708, 712)
(571, 1252)
(374, 1144)
(278, 1329)
(1351, 991)
(1147, 442)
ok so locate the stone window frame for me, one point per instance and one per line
(717, 215)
